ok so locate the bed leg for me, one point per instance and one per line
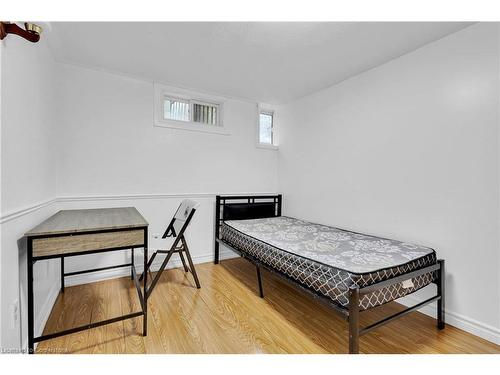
(354, 320)
(440, 290)
(259, 278)
(217, 228)
(216, 259)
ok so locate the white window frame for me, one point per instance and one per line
(269, 111)
(161, 92)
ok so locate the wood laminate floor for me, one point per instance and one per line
(227, 316)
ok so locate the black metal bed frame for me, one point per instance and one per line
(261, 206)
(143, 295)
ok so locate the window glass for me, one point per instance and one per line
(266, 128)
(175, 109)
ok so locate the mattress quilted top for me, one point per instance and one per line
(350, 251)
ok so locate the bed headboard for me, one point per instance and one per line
(236, 207)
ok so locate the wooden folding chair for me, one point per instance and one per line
(176, 229)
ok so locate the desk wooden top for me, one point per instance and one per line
(76, 221)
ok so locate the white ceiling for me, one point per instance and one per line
(266, 62)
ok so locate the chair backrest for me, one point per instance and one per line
(181, 219)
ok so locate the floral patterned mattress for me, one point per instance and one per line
(330, 260)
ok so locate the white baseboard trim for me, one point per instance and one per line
(92, 277)
(46, 309)
(44, 313)
(467, 324)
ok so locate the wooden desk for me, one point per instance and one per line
(71, 233)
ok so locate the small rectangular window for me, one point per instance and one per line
(190, 111)
(175, 109)
(205, 113)
(266, 128)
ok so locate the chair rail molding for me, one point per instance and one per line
(14, 214)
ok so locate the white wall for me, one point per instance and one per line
(110, 146)
(98, 148)
(28, 171)
(110, 149)
(28, 124)
(409, 150)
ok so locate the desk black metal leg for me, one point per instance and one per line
(62, 274)
(31, 327)
(132, 257)
(145, 275)
(354, 320)
(440, 292)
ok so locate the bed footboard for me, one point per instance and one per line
(355, 331)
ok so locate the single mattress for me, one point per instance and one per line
(330, 260)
